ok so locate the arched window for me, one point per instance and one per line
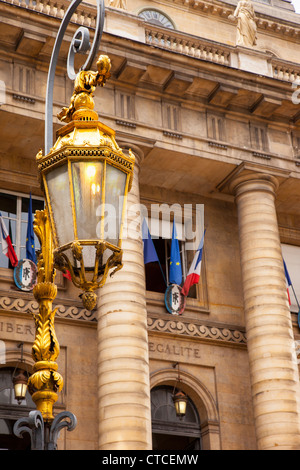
(157, 18)
(168, 431)
(11, 411)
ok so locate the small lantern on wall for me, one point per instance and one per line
(180, 399)
(20, 378)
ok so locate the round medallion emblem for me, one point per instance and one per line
(174, 300)
(25, 275)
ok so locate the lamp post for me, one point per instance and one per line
(84, 176)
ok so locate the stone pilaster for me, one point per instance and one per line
(123, 360)
(273, 368)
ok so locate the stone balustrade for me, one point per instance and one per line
(185, 44)
(85, 15)
(289, 73)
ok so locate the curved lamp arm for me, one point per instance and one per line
(80, 43)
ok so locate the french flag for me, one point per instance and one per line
(288, 281)
(7, 248)
(195, 269)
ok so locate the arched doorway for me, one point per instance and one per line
(168, 431)
(11, 411)
(200, 397)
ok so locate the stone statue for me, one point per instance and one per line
(117, 4)
(246, 23)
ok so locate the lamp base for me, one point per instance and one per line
(44, 400)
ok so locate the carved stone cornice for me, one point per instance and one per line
(165, 324)
(27, 304)
(199, 330)
(289, 235)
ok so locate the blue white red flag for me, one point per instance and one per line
(288, 281)
(7, 247)
(193, 275)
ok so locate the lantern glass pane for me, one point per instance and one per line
(115, 184)
(87, 187)
(181, 407)
(89, 257)
(60, 203)
(68, 253)
(20, 390)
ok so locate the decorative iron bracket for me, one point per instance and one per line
(34, 426)
(79, 44)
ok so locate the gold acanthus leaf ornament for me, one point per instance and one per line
(46, 378)
(39, 379)
(46, 346)
(42, 229)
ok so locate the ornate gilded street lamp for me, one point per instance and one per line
(85, 177)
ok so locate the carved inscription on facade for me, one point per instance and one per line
(17, 328)
(174, 350)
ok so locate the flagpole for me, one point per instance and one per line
(295, 296)
(150, 254)
(162, 272)
(289, 281)
(298, 305)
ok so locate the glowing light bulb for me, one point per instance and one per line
(90, 171)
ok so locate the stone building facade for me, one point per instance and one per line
(207, 97)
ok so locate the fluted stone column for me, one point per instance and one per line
(123, 361)
(273, 368)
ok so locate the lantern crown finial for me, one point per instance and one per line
(82, 103)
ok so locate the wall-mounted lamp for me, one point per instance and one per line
(20, 378)
(180, 399)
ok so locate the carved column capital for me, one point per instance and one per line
(252, 177)
(252, 181)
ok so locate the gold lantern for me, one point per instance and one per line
(86, 177)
